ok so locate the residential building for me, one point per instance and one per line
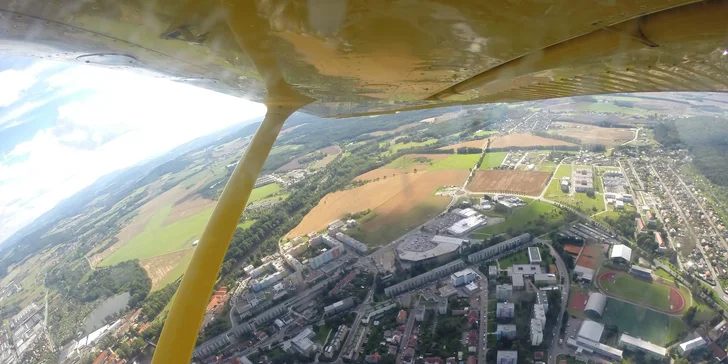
(528, 270)
(505, 331)
(352, 243)
(718, 331)
(504, 310)
(545, 279)
(507, 357)
(518, 283)
(326, 256)
(649, 349)
(442, 306)
(536, 332)
(542, 299)
(503, 292)
(494, 250)
(686, 347)
(420, 313)
(402, 317)
(335, 226)
(492, 271)
(539, 313)
(339, 307)
(424, 278)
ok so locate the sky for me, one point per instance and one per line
(63, 126)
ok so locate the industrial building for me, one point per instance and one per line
(504, 292)
(507, 357)
(536, 332)
(621, 253)
(494, 250)
(634, 344)
(505, 331)
(685, 348)
(302, 342)
(419, 248)
(467, 225)
(588, 234)
(504, 309)
(534, 255)
(352, 243)
(595, 304)
(582, 179)
(464, 276)
(424, 278)
(339, 307)
(544, 279)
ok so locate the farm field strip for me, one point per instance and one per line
(524, 182)
(525, 140)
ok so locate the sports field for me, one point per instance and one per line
(492, 160)
(657, 295)
(649, 325)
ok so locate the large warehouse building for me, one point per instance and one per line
(621, 252)
(419, 248)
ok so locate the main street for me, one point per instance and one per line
(483, 327)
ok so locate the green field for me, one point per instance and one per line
(284, 148)
(564, 170)
(492, 160)
(246, 224)
(374, 232)
(578, 200)
(407, 161)
(159, 239)
(481, 133)
(398, 146)
(520, 257)
(177, 271)
(456, 161)
(637, 290)
(636, 321)
(263, 192)
(521, 217)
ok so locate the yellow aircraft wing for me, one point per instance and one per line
(375, 56)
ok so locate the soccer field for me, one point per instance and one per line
(652, 326)
(624, 285)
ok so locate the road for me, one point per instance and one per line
(483, 328)
(693, 236)
(554, 349)
(360, 310)
(407, 332)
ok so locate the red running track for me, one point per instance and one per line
(676, 298)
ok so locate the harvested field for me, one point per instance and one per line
(188, 207)
(387, 197)
(590, 134)
(444, 117)
(478, 143)
(393, 131)
(591, 256)
(161, 265)
(331, 153)
(525, 140)
(386, 172)
(525, 182)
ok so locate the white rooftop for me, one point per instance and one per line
(645, 345)
(621, 251)
(591, 330)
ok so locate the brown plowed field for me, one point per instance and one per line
(525, 182)
(525, 140)
(593, 134)
(387, 197)
(188, 207)
(478, 143)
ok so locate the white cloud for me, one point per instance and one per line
(16, 82)
(125, 119)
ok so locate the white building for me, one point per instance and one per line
(504, 309)
(302, 342)
(471, 287)
(503, 292)
(621, 251)
(505, 331)
(464, 276)
(536, 332)
(688, 346)
(539, 313)
(534, 255)
(507, 357)
(591, 330)
(634, 344)
(466, 225)
(544, 279)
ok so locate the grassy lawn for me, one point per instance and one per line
(322, 334)
(520, 218)
(246, 224)
(650, 294)
(546, 167)
(456, 161)
(407, 161)
(663, 273)
(263, 192)
(397, 146)
(177, 271)
(284, 148)
(520, 257)
(578, 200)
(563, 171)
(159, 239)
(492, 160)
(384, 234)
(481, 133)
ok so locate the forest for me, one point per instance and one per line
(706, 138)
